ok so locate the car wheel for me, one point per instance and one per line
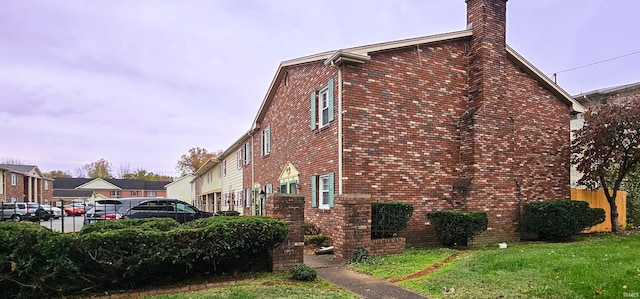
(16, 218)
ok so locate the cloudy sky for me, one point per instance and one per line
(139, 83)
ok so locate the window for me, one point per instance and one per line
(46, 185)
(134, 193)
(322, 191)
(266, 141)
(322, 102)
(247, 153)
(239, 159)
(323, 108)
(247, 197)
(115, 193)
(224, 168)
(290, 187)
(14, 179)
(151, 193)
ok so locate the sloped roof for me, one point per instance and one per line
(24, 169)
(72, 193)
(610, 89)
(125, 184)
(362, 53)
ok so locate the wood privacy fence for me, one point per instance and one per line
(597, 199)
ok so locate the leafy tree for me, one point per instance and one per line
(194, 159)
(607, 148)
(98, 169)
(147, 176)
(632, 185)
(57, 174)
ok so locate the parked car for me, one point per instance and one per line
(23, 211)
(71, 210)
(55, 212)
(143, 207)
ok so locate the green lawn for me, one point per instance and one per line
(593, 267)
(266, 285)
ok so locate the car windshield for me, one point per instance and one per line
(33, 205)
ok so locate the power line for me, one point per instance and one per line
(590, 64)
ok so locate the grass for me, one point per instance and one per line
(593, 267)
(397, 266)
(266, 285)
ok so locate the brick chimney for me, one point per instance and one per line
(487, 128)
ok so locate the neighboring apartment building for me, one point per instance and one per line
(597, 97)
(24, 183)
(218, 184)
(182, 189)
(67, 189)
(207, 182)
(451, 121)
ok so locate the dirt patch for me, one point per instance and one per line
(429, 270)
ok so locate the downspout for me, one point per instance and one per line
(339, 127)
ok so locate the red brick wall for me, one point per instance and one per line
(417, 120)
(400, 128)
(290, 209)
(292, 140)
(16, 191)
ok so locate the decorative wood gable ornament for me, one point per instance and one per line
(289, 173)
(289, 179)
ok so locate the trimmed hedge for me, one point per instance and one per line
(388, 218)
(558, 220)
(161, 224)
(37, 262)
(316, 240)
(456, 228)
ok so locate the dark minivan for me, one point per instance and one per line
(143, 207)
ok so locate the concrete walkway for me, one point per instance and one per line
(361, 284)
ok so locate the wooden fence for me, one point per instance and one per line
(597, 199)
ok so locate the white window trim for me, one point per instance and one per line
(266, 141)
(321, 193)
(46, 185)
(247, 153)
(224, 168)
(151, 193)
(239, 159)
(323, 95)
(14, 179)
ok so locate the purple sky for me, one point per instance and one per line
(139, 83)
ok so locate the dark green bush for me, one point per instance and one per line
(303, 272)
(558, 220)
(228, 213)
(456, 228)
(223, 244)
(316, 240)
(160, 224)
(36, 262)
(310, 228)
(137, 253)
(388, 218)
(360, 255)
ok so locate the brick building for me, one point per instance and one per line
(88, 189)
(24, 183)
(450, 121)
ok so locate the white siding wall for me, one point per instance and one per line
(182, 189)
(232, 183)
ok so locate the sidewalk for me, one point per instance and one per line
(361, 284)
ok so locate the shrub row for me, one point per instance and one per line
(388, 218)
(37, 262)
(559, 219)
(455, 228)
